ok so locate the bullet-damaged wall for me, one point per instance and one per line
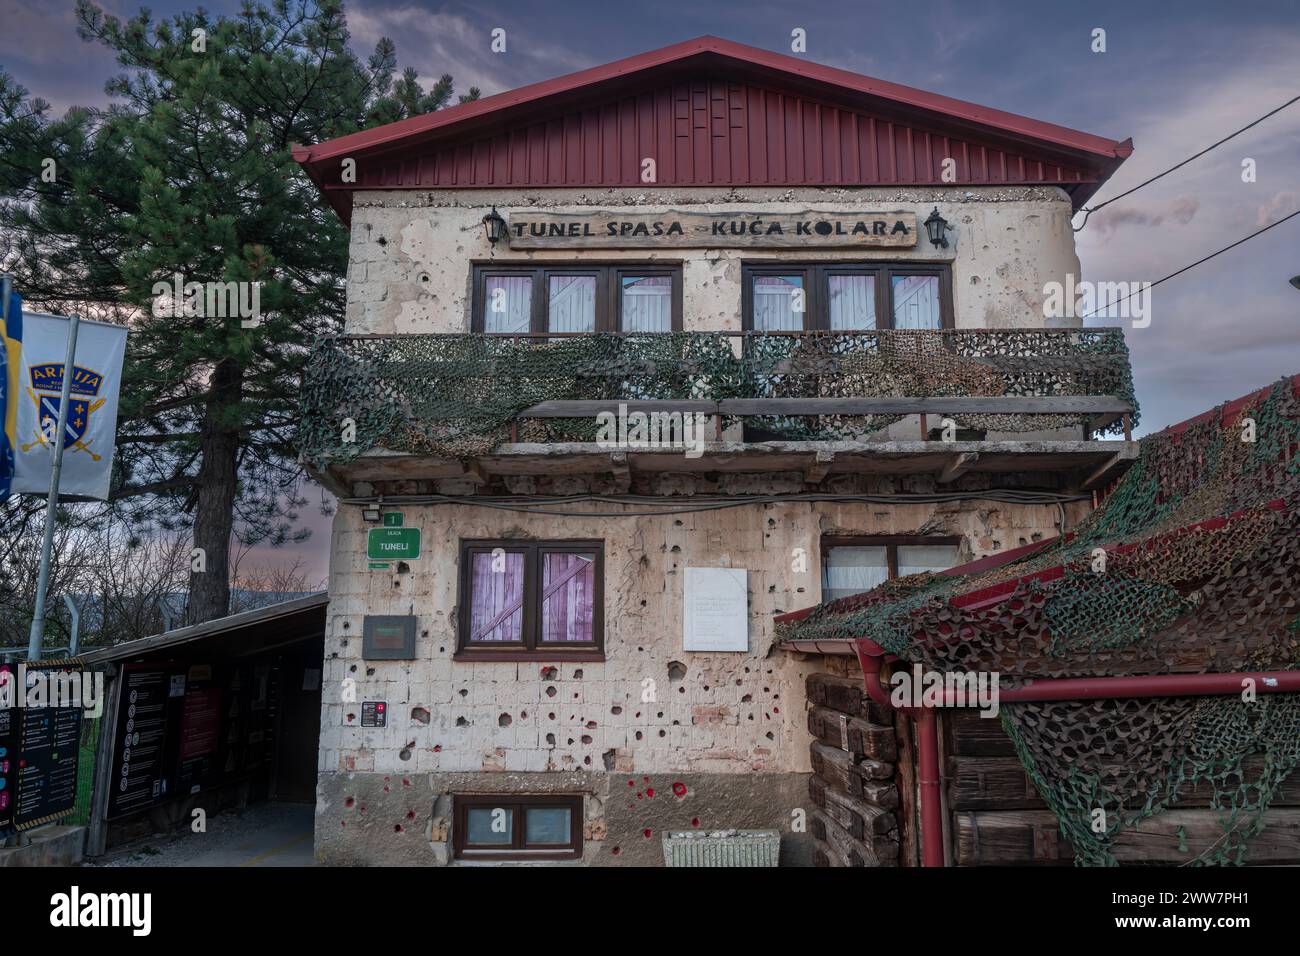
(733, 721)
(409, 260)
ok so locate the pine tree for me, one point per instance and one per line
(189, 172)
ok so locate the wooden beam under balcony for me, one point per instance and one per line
(1103, 407)
(1046, 463)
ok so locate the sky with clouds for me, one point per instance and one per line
(1175, 77)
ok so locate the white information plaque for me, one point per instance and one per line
(716, 609)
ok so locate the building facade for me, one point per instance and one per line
(550, 632)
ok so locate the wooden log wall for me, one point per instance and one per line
(997, 817)
(853, 789)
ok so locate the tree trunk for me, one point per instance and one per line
(214, 517)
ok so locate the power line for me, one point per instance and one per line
(1088, 211)
(1196, 263)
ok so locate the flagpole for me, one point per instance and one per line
(52, 502)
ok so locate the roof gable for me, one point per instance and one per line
(712, 113)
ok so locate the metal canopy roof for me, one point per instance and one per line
(712, 112)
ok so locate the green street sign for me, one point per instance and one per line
(379, 565)
(393, 544)
(392, 519)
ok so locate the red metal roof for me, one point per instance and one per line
(712, 112)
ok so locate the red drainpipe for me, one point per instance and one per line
(872, 657)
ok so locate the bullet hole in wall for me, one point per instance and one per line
(550, 691)
(550, 740)
(747, 698)
(616, 710)
(403, 567)
(638, 735)
(404, 754)
(370, 672)
(577, 674)
(551, 716)
(350, 802)
(643, 605)
(607, 758)
(421, 715)
(464, 692)
(591, 725)
(586, 739)
(462, 722)
(550, 673)
(353, 668)
(504, 720)
(676, 671)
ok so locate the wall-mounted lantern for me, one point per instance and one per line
(935, 227)
(1295, 281)
(495, 226)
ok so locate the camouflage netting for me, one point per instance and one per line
(1201, 543)
(457, 395)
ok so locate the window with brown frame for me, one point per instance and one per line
(532, 599)
(841, 296)
(581, 297)
(852, 565)
(507, 826)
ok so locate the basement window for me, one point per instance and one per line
(517, 827)
(521, 600)
(853, 565)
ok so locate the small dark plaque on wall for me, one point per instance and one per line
(374, 713)
(388, 637)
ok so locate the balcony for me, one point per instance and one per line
(463, 414)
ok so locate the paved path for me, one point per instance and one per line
(269, 834)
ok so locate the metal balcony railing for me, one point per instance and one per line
(460, 395)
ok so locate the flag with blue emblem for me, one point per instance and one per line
(91, 425)
(11, 347)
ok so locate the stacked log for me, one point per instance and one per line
(998, 818)
(853, 789)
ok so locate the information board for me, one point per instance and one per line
(139, 776)
(8, 749)
(49, 744)
(716, 610)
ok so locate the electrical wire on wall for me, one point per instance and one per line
(555, 506)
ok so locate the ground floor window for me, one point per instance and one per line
(851, 565)
(531, 598)
(514, 827)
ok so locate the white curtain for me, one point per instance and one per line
(509, 302)
(852, 570)
(774, 304)
(853, 302)
(916, 302)
(647, 304)
(571, 306)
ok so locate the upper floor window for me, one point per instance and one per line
(852, 565)
(577, 298)
(531, 598)
(847, 296)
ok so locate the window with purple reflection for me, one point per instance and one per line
(521, 598)
(568, 597)
(496, 596)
